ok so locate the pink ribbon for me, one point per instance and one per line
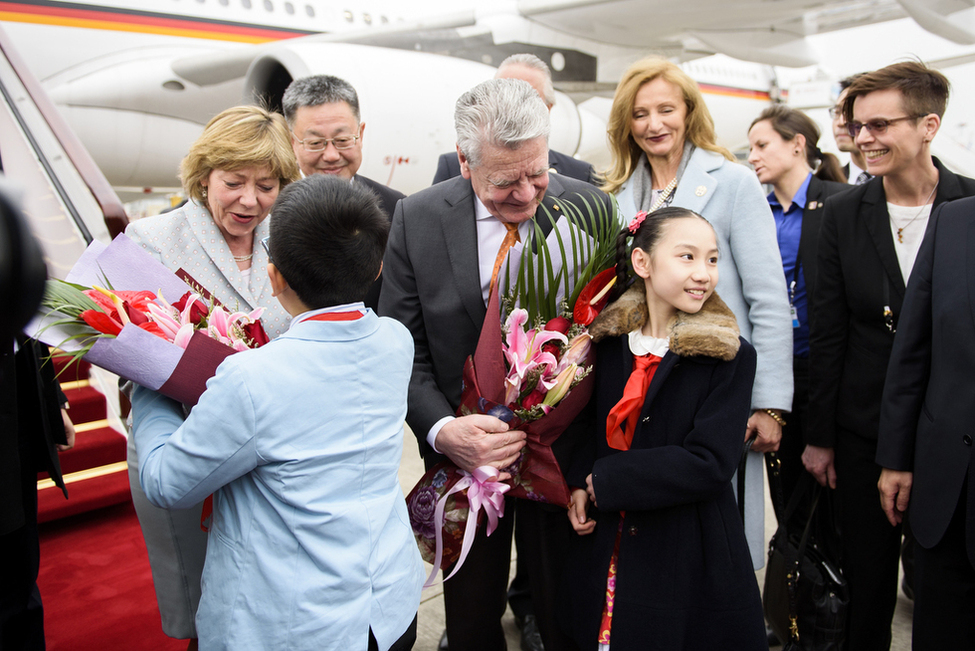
(484, 491)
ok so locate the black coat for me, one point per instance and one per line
(685, 578)
(927, 419)
(858, 273)
(388, 198)
(448, 166)
(812, 221)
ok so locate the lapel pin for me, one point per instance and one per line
(812, 205)
(555, 206)
(701, 191)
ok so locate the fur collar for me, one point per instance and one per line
(712, 332)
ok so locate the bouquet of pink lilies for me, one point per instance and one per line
(532, 372)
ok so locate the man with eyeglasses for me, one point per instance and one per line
(326, 133)
(856, 169)
(869, 239)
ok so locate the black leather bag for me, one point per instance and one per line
(806, 598)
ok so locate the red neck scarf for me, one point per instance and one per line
(621, 423)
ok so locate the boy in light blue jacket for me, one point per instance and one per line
(299, 442)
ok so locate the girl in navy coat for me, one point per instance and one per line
(662, 559)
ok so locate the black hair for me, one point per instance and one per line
(647, 234)
(327, 239)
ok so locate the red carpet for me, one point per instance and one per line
(96, 584)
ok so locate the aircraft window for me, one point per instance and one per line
(246, 4)
(289, 8)
(348, 16)
(367, 18)
(310, 11)
(268, 5)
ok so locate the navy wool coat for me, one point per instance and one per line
(684, 574)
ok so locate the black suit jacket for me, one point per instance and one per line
(858, 274)
(449, 166)
(433, 287)
(812, 220)
(30, 426)
(388, 197)
(927, 418)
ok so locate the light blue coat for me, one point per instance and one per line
(751, 282)
(300, 442)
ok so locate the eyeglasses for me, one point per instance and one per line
(320, 144)
(876, 127)
(835, 112)
(267, 249)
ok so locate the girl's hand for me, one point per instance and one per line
(578, 517)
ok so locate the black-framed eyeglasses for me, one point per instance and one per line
(313, 145)
(267, 249)
(876, 127)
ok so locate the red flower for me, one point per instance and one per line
(534, 398)
(153, 328)
(197, 313)
(101, 322)
(559, 324)
(255, 332)
(593, 297)
(553, 347)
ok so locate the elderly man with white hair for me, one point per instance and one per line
(439, 263)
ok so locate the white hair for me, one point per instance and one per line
(500, 112)
(533, 62)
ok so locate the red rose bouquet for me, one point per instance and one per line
(173, 348)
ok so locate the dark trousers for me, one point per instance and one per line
(870, 545)
(21, 615)
(944, 588)
(404, 643)
(474, 599)
(519, 592)
(791, 469)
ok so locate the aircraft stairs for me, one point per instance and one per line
(94, 470)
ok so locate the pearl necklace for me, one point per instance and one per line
(900, 230)
(243, 258)
(664, 195)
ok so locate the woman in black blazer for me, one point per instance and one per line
(870, 235)
(783, 150)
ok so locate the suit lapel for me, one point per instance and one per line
(877, 222)
(696, 186)
(212, 242)
(460, 240)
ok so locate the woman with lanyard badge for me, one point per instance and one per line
(783, 150)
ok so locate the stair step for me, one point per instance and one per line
(86, 404)
(93, 448)
(68, 371)
(89, 489)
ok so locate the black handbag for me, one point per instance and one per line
(806, 598)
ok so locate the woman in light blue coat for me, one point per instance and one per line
(232, 174)
(664, 154)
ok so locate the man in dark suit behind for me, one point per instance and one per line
(326, 133)
(442, 249)
(530, 68)
(926, 429)
(32, 428)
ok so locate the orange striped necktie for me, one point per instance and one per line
(509, 241)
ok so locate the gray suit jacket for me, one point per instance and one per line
(432, 286)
